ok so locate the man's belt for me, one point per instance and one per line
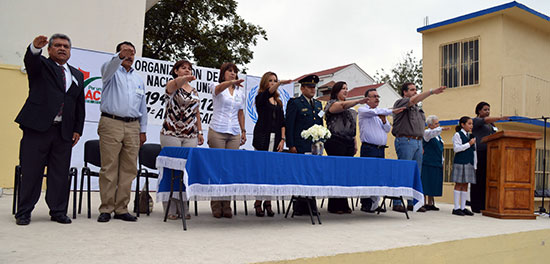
(124, 119)
(412, 137)
(375, 146)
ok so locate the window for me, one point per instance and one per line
(460, 63)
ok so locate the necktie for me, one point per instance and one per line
(311, 102)
(64, 76)
(60, 112)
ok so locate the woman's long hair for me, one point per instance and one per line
(264, 86)
(226, 66)
(336, 89)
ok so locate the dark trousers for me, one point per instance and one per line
(36, 150)
(337, 146)
(373, 152)
(477, 191)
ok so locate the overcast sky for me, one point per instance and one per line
(306, 36)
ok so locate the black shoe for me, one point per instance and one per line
(399, 208)
(458, 212)
(422, 209)
(367, 210)
(467, 212)
(432, 208)
(23, 220)
(62, 219)
(104, 217)
(126, 217)
(477, 211)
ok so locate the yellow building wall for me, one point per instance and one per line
(526, 48)
(14, 86)
(460, 101)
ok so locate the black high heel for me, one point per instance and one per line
(267, 209)
(258, 208)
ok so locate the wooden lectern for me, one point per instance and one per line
(510, 175)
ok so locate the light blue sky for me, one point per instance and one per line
(307, 35)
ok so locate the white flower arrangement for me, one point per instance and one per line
(316, 133)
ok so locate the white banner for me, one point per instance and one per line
(155, 75)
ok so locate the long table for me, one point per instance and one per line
(211, 173)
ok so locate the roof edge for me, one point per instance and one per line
(481, 13)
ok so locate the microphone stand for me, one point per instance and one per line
(545, 118)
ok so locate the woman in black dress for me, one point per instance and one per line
(269, 130)
(483, 126)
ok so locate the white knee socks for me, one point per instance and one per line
(457, 199)
(463, 197)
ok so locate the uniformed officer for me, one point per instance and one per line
(302, 113)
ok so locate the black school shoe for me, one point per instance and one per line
(458, 212)
(467, 212)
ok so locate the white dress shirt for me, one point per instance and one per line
(371, 128)
(226, 108)
(123, 92)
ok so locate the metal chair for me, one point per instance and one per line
(147, 160)
(91, 156)
(17, 188)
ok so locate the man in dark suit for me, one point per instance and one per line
(52, 120)
(302, 113)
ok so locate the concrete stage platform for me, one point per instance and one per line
(431, 237)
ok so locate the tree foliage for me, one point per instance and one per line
(409, 69)
(208, 32)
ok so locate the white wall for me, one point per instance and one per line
(96, 25)
(388, 96)
(353, 76)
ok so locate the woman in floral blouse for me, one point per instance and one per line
(182, 124)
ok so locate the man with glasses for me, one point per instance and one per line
(301, 113)
(408, 129)
(373, 132)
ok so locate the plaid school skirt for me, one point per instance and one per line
(464, 173)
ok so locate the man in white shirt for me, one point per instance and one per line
(373, 130)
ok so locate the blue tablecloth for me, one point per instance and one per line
(223, 172)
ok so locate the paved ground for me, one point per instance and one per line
(243, 239)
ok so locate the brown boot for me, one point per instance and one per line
(226, 209)
(216, 208)
(258, 208)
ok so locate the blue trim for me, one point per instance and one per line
(518, 119)
(484, 12)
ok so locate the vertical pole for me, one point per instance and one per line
(541, 209)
